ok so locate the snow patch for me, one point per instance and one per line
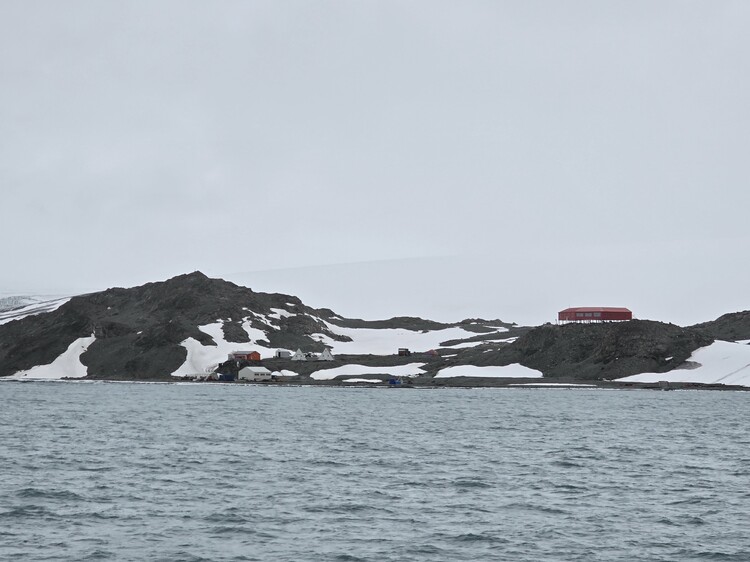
(514, 370)
(285, 373)
(387, 341)
(255, 334)
(202, 358)
(555, 384)
(68, 364)
(410, 370)
(719, 363)
(279, 313)
(262, 318)
(363, 380)
(480, 342)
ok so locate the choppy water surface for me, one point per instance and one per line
(230, 472)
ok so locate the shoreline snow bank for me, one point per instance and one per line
(410, 370)
(514, 370)
(719, 363)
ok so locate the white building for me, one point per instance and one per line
(325, 356)
(283, 354)
(299, 356)
(254, 374)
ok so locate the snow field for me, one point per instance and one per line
(410, 370)
(386, 341)
(555, 384)
(719, 363)
(509, 371)
(278, 313)
(202, 357)
(285, 373)
(68, 364)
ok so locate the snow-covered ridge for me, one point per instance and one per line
(15, 308)
(15, 301)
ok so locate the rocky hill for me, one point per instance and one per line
(187, 325)
(729, 327)
(597, 351)
(144, 332)
(139, 331)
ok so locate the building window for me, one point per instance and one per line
(597, 314)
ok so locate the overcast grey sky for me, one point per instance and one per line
(503, 159)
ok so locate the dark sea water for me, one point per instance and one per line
(228, 472)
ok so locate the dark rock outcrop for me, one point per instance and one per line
(595, 351)
(139, 330)
(730, 327)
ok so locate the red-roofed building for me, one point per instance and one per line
(594, 314)
(244, 356)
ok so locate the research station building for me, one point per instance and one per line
(594, 314)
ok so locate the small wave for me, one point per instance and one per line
(229, 517)
(682, 521)
(425, 549)
(687, 501)
(48, 494)
(183, 557)
(229, 530)
(100, 515)
(566, 464)
(414, 484)
(569, 487)
(717, 555)
(471, 483)
(346, 508)
(531, 507)
(95, 468)
(328, 462)
(475, 537)
(25, 511)
(99, 555)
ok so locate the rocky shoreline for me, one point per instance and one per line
(429, 383)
